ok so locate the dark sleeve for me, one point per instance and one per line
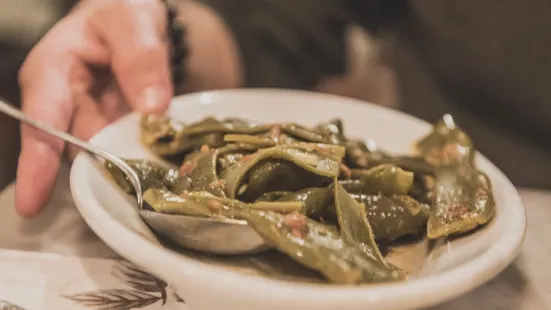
(286, 43)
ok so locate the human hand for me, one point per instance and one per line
(101, 61)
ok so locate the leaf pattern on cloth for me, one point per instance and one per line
(142, 289)
(119, 299)
(6, 305)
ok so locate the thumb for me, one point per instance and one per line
(134, 32)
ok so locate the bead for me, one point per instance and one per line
(176, 60)
(176, 32)
(178, 51)
(177, 55)
(171, 13)
(177, 76)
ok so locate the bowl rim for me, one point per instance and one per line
(463, 277)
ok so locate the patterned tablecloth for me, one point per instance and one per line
(56, 262)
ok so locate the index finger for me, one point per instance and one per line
(135, 35)
(46, 97)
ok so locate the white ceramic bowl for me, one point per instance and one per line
(208, 283)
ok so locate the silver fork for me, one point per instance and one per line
(12, 111)
(202, 234)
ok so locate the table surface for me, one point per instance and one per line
(51, 253)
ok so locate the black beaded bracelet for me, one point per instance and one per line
(178, 48)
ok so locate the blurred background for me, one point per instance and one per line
(24, 22)
(485, 62)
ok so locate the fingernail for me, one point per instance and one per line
(151, 99)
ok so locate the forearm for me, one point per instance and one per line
(214, 60)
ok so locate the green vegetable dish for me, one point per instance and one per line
(326, 200)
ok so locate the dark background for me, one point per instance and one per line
(11, 58)
(12, 55)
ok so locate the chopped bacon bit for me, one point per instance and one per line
(481, 195)
(458, 210)
(295, 220)
(433, 157)
(450, 153)
(214, 205)
(322, 149)
(187, 167)
(345, 170)
(297, 233)
(453, 150)
(205, 148)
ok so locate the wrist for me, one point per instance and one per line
(213, 61)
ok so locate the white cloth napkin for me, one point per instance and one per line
(33, 280)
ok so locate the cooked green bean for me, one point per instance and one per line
(326, 200)
(463, 198)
